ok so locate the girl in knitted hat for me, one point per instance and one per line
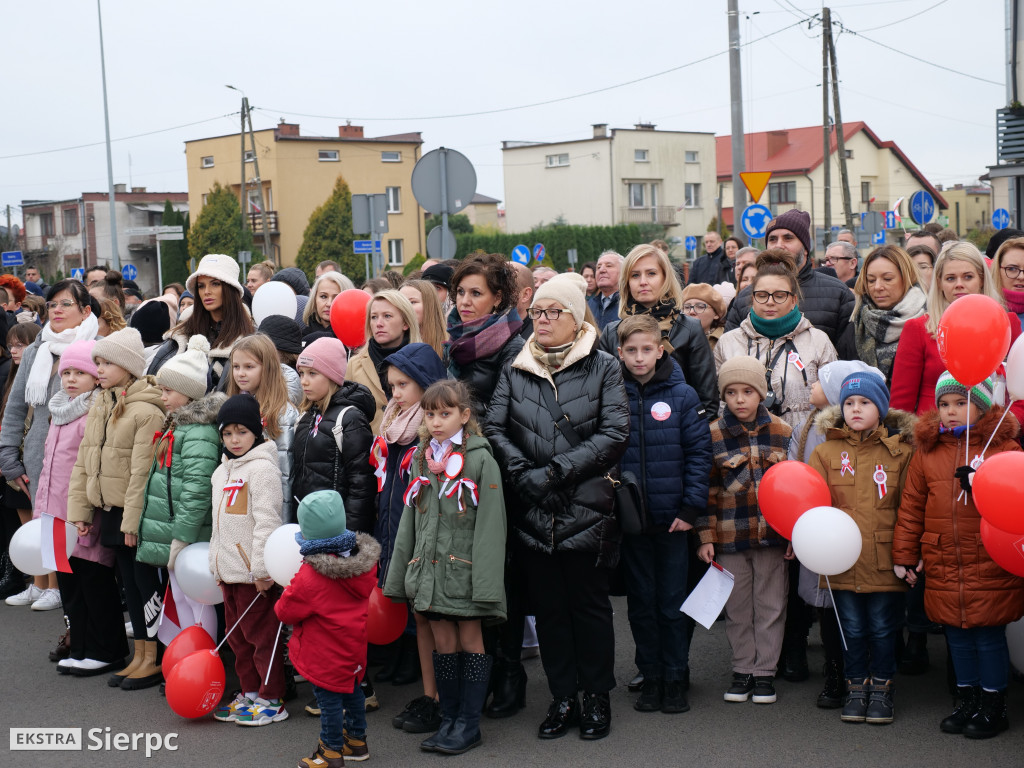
(938, 535)
(110, 474)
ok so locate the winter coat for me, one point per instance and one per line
(963, 586)
(826, 302)
(317, 466)
(178, 496)
(791, 385)
(67, 426)
(691, 350)
(449, 560)
(712, 268)
(242, 524)
(848, 461)
(601, 315)
(537, 459)
(481, 375)
(669, 445)
(291, 380)
(112, 467)
(327, 604)
(740, 457)
(362, 371)
(285, 437)
(218, 357)
(390, 503)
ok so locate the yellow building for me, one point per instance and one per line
(970, 207)
(297, 174)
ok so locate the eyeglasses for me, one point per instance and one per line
(695, 308)
(831, 260)
(550, 313)
(1011, 271)
(761, 297)
(65, 304)
(17, 346)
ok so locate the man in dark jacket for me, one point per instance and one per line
(605, 303)
(826, 301)
(714, 266)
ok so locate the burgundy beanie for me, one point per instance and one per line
(326, 355)
(797, 222)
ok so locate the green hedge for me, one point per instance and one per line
(589, 242)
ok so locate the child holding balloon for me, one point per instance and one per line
(864, 463)
(939, 531)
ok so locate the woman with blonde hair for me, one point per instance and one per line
(423, 297)
(111, 319)
(317, 314)
(648, 285)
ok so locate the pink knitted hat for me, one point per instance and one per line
(326, 355)
(78, 355)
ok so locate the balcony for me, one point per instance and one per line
(256, 222)
(665, 215)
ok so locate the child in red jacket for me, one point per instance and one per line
(326, 603)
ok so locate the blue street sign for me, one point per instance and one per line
(1000, 220)
(538, 252)
(521, 255)
(755, 220)
(365, 246)
(890, 219)
(12, 259)
(129, 272)
(690, 243)
(879, 237)
(78, 274)
(922, 207)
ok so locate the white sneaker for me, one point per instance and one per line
(129, 631)
(48, 600)
(27, 597)
(64, 666)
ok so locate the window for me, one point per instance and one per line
(692, 156)
(395, 253)
(327, 156)
(636, 195)
(394, 200)
(249, 155)
(254, 201)
(558, 161)
(391, 157)
(46, 224)
(865, 191)
(848, 154)
(782, 192)
(70, 221)
(640, 155)
(205, 196)
(207, 162)
(691, 193)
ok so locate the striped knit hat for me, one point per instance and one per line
(981, 394)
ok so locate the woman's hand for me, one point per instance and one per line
(262, 585)
(22, 483)
(706, 552)
(789, 552)
(131, 540)
(679, 525)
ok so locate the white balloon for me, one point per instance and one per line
(26, 548)
(826, 540)
(281, 556)
(1015, 370)
(273, 298)
(192, 570)
(1015, 640)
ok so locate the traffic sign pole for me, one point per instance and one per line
(444, 203)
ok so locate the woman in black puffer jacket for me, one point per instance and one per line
(565, 534)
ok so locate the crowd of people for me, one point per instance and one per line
(470, 460)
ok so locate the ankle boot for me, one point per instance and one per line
(115, 680)
(856, 704)
(147, 674)
(474, 675)
(446, 673)
(831, 696)
(508, 683)
(968, 699)
(915, 654)
(880, 704)
(990, 719)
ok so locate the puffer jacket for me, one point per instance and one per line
(361, 371)
(712, 268)
(176, 343)
(848, 461)
(669, 445)
(451, 560)
(481, 375)
(178, 500)
(691, 350)
(537, 459)
(826, 302)
(286, 436)
(327, 604)
(244, 515)
(790, 384)
(291, 380)
(317, 466)
(963, 586)
(112, 468)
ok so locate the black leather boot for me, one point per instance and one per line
(12, 581)
(446, 674)
(474, 675)
(968, 699)
(990, 719)
(508, 683)
(831, 696)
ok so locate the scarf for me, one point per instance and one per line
(665, 312)
(401, 426)
(341, 545)
(54, 344)
(955, 431)
(553, 358)
(1014, 300)
(480, 338)
(64, 410)
(377, 355)
(877, 331)
(776, 327)
(442, 450)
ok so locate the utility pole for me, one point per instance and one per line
(840, 142)
(739, 162)
(242, 197)
(115, 260)
(826, 24)
(267, 250)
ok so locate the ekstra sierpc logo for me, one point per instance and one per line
(94, 740)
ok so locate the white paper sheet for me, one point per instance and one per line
(707, 599)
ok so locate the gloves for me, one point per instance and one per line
(176, 547)
(532, 484)
(963, 474)
(555, 502)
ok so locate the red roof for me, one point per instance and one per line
(799, 150)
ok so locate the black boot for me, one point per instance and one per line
(408, 668)
(968, 699)
(508, 683)
(446, 674)
(474, 675)
(595, 716)
(12, 581)
(990, 719)
(915, 655)
(831, 696)
(880, 704)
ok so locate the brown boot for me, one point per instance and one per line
(115, 680)
(323, 758)
(147, 674)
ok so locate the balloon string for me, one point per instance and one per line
(842, 635)
(270, 664)
(228, 633)
(998, 425)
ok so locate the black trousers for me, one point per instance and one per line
(144, 587)
(569, 595)
(92, 603)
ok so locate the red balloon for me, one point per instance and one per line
(348, 317)
(997, 490)
(1007, 549)
(386, 619)
(188, 641)
(196, 684)
(973, 338)
(788, 490)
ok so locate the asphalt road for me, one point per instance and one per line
(792, 732)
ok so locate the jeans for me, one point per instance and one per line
(340, 712)
(655, 572)
(870, 622)
(980, 656)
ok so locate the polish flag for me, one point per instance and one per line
(55, 543)
(180, 611)
(896, 209)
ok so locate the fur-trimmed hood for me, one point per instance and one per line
(202, 411)
(927, 434)
(363, 559)
(896, 422)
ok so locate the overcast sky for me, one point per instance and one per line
(391, 66)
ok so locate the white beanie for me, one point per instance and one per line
(189, 372)
(124, 349)
(831, 376)
(569, 289)
(219, 267)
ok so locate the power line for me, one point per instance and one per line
(906, 18)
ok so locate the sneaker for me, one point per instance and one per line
(64, 666)
(313, 708)
(355, 749)
(48, 600)
(229, 713)
(26, 597)
(422, 714)
(741, 687)
(372, 704)
(263, 712)
(764, 690)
